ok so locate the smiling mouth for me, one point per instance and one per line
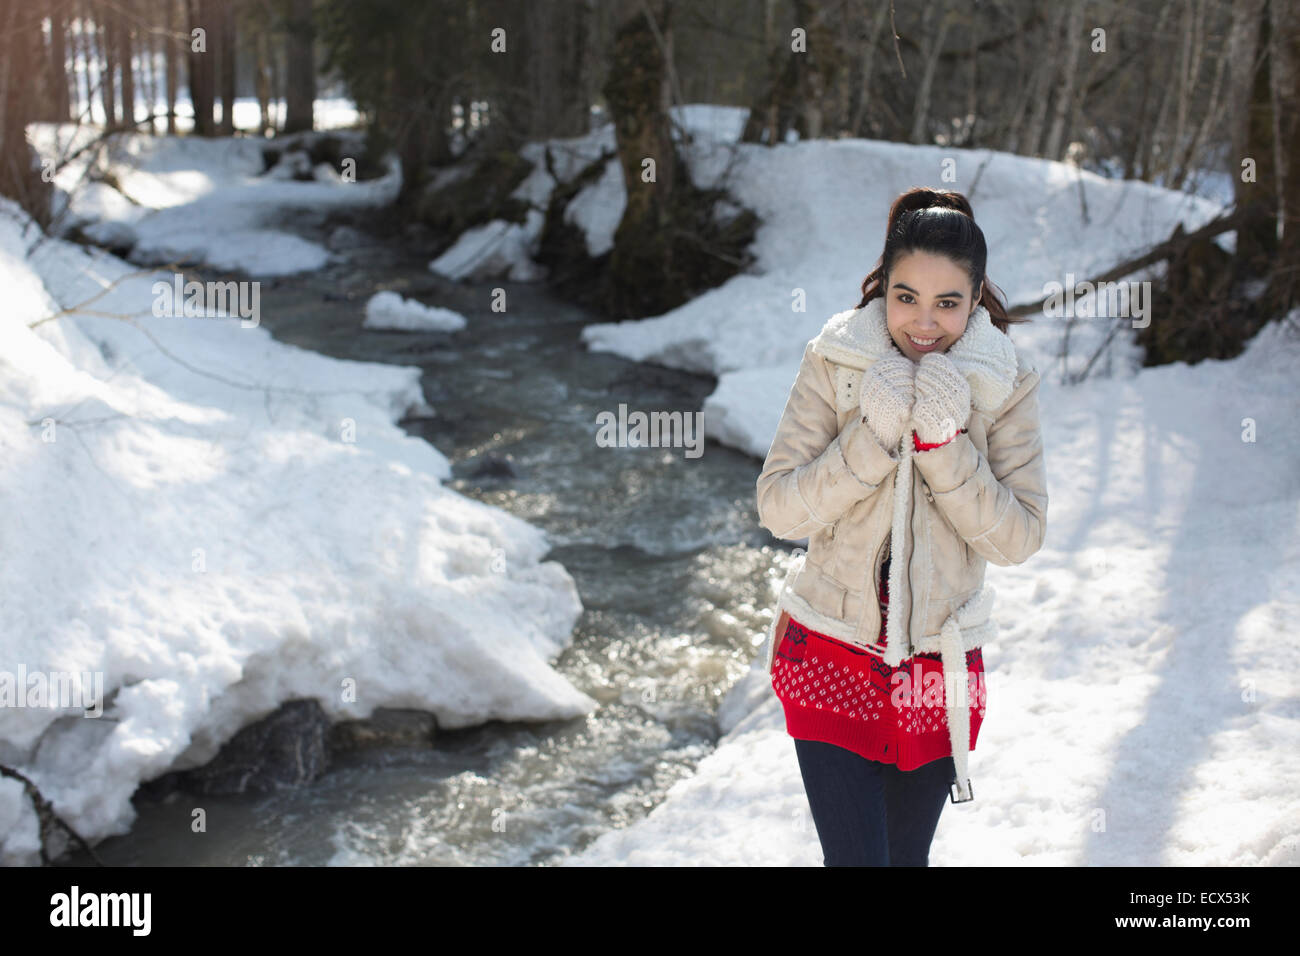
(922, 343)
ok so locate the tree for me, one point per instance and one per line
(202, 75)
(21, 54)
(1283, 292)
(226, 43)
(638, 93)
(300, 90)
(59, 107)
(124, 16)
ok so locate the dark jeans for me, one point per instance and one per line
(870, 813)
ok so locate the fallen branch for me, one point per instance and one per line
(1170, 247)
(47, 818)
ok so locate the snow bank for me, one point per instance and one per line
(504, 249)
(822, 232)
(215, 523)
(189, 199)
(1142, 692)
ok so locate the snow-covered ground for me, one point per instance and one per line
(213, 522)
(189, 199)
(1143, 704)
(823, 230)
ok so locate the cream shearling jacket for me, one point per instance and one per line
(944, 513)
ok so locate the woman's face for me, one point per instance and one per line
(927, 303)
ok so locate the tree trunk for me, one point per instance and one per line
(107, 33)
(588, 42)
(637, 91)
(149, 73)
(1283, 291)
(1151, 132)
(202, 70)
(1074, 39)
(87, 48)
(921, 107)
(761, 125)
(228, 40)
(1015, 129)
(300, 88)
(1031, 137)
(60, 109)
(125, 27)
(1212, 109)
(171, 54)
(558, 51)
(262, 81)
(22, 48)
(1250, 115)
(277, 88)
(971, 119)
(1189, 62)
(868, 68)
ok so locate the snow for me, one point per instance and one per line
(389, 310)
(1143, 705)
(822, 233)
(501, 249)
(211, 523)
(496, 249)
(596, 210)
(1142, 690)
(187, 199)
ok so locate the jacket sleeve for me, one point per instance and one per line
(814, 472)
(998, 504)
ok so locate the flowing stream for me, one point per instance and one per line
(670, 562)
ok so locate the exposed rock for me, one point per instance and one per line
(288, 748)
(494, 466)
(386, 727)
(347, 239)
(291, 748)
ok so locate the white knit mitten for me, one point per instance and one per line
(886, 398)
(942, 399)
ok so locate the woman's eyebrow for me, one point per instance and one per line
(954, 294)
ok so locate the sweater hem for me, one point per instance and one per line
(868, 740)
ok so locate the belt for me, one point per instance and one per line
(956, 692)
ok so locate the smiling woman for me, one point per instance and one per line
(909, 454)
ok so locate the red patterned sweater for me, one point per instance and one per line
(838, 692)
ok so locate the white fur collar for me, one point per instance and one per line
(986, 356)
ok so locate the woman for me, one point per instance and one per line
(909, 455)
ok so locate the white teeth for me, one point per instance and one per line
(922, 342)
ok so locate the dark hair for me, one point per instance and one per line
(938, 221)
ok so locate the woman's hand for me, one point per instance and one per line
(942, 399)
(886, 398)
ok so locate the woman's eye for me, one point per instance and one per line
(906, 297)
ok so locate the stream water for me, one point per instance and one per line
(673, 570)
